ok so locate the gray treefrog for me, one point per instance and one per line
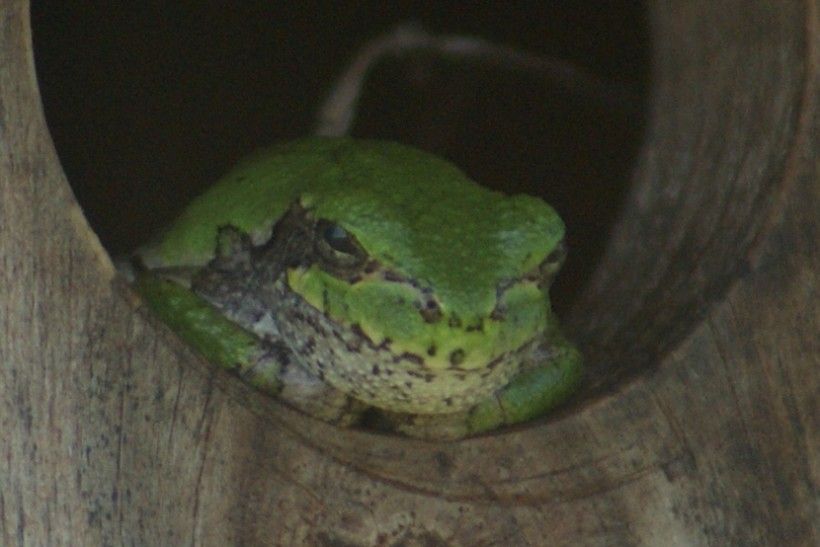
(367, 282)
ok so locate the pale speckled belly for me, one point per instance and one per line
(347, 359)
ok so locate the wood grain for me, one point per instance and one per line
(702, 324)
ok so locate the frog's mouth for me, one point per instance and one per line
(311, 259)
(381, 373)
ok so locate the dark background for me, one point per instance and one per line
(150, 103)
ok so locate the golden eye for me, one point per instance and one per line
(338, 246)
(338, 238)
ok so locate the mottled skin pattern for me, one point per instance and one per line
(389, 290)
(328, 369)
(375, 374)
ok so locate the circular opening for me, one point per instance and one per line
(149, 105)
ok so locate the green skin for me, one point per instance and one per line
(369, 283)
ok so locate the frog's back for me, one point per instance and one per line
(409, 209)
(252, 196)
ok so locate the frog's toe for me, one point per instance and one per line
(532, 393)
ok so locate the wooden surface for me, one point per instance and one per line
(702, 326)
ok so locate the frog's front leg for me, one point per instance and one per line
(554, 375)
(214, 312)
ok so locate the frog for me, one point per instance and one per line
(370, 284)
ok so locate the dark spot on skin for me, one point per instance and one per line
(454, 322)
(310, 345)
(477, 327)
(408, 356)
(281, 353)
(357, 330)
(375, 370)
(495, 362)
(457, 357)
(311, 321)
(431, 312)
(431, 351)
(388, 275)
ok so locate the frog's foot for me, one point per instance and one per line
(298, 388)
(530, 394)
(263, 363)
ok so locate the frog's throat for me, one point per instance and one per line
(377, 374)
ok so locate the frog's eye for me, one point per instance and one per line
(337, 238)
(337, 244)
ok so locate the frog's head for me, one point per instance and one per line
(410, 286)
(441, 282)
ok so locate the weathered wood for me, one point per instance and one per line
(702, 325)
